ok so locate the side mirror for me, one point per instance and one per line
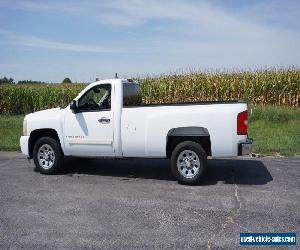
(73, 106)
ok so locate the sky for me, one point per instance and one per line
(85, 39)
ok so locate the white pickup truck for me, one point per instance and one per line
(100, 122)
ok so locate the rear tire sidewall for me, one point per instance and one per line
(57, 152)
(196, 147)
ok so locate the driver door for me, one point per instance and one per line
(89, 131)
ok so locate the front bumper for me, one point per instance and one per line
(24, 144)
(244, 148)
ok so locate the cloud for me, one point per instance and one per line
(137, 12)
(12, 38)
(195, 18)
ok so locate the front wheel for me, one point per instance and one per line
(188, 162)
(47, 155)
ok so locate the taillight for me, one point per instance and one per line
(242, 123)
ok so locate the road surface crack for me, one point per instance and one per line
(236, 211)
(230, 219)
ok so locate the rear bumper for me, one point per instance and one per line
(244, 148)
(24, 144)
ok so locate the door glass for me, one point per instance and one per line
(95, 99)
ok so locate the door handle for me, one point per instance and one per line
(104, 120)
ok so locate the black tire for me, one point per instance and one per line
(57, 161)
(188, 172)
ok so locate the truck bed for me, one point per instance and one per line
(145, 128)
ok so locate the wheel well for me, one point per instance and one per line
(203, 140)
(39, 133)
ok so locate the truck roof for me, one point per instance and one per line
(112, 81)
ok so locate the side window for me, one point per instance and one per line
(96, 99)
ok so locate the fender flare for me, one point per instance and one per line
(188, 131)
(180, 134)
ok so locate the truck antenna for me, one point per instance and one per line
(116, 76)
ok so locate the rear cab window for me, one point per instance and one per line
(131, 94)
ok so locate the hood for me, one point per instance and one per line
(44, 113)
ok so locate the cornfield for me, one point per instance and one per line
(268, 87)
(23, 99)
(274, 87)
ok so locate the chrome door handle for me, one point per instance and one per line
(104, 120)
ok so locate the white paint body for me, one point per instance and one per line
(136, 131)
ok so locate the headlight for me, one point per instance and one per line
(24, 127)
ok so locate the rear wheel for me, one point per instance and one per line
(188, 162)
(47, 155)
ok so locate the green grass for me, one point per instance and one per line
(275, 130)
(275, 114)
(276, 138)
(10, 132)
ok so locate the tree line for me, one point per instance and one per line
(6, 80)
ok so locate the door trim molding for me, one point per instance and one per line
(90, 142)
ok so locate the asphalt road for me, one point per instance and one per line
(136, 204)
